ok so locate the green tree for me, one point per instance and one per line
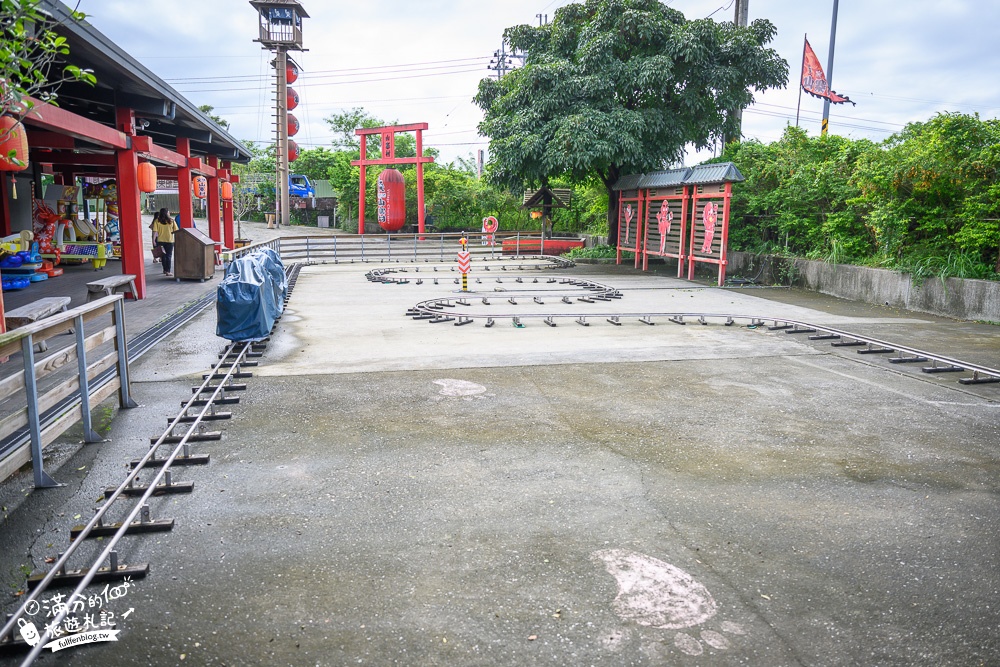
(315, 163)
(616, 86)
(30, 51)
(932, 189)
(207, 109)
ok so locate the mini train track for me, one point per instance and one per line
(148, 476)
(577, 301)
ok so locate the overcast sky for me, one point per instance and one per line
(420, 61)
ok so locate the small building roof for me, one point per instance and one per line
(561, 197)
(665, 179)
(717, 172)
(628, 182)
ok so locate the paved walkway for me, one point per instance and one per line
(397, 492)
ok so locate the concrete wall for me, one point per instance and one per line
(953, 297)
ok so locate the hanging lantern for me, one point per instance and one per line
(199, 187)
(13, 140)
(293, 125)
(146, 175)
(291, 72)
(292, 99)
(227, 191)
(293, 151)
(535, 215)
(391, 203)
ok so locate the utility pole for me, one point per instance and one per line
(280, 30)
(740, 20)
(501, 61)
(829, 70)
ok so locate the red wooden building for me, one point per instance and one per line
(105, 131)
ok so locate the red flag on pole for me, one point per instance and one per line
(814, 80)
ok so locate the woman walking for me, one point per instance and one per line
(163, 227)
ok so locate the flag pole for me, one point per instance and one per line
(805, 40)
(829, 69)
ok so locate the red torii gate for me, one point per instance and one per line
(388, 134)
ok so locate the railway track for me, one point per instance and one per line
(125, 509)
(582, 302)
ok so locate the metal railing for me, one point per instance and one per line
(37, 399)
(384, 248)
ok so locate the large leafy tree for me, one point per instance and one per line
(617, 86)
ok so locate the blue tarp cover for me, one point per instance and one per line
(251, 297)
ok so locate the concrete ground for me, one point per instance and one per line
(393, 492)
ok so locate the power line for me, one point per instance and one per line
(332, 83)
(375, 69)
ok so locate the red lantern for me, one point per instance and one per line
(291, 72)
(292, 99)
(13, 139)
(199, 187)
(293, 151)
(293, 125)
(227, 191)
(391, 203)
(147, 177)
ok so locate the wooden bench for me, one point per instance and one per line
(34, 311)
(125, 283)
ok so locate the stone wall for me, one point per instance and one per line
(953, 297)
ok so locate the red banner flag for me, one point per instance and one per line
(814, 80)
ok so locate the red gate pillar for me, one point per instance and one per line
(214, 222)
(420, 183)
(228, 233)
(364, 185)
(184, 197)
(129, 213)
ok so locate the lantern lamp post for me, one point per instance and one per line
(281, 31)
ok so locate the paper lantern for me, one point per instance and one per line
(293, 125)
(292, 99)
(227, 191)
(13, 139)
(391, 203)
(293, 151)
(199, 187)
(146, 176)
(291, 72)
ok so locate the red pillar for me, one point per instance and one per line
(214, 221)
(184, 196)
(5, 230)
(129, 212)
(362, 187)
(420, 183)
(228, 231)
(5, 203)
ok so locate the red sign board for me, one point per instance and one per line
(464, 262)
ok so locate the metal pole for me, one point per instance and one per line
(829, 68)
(81, 362)
(42, 480)
(805, 40)
(121, 346)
